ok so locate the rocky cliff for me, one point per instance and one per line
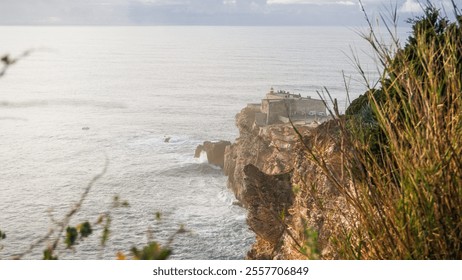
(269, 148)
(289, 200)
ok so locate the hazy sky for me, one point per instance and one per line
(198, 12)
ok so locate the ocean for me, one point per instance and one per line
(90, 97)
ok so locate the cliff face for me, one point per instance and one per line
(289, 200)
(268, 148)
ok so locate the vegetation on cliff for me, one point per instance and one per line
(401, 152)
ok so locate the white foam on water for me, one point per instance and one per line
(203, 157)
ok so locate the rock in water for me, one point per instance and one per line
(199, 149)
(215, 151)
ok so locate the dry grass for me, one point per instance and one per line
(402, 150)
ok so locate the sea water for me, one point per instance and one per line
(89, 98)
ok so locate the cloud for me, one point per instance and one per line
(309, 2)
(196, 12)
(161, 2)
(229, 2)
(410, 6)
(63, 12)
(347, 3)
(324, 2)
(415, 6)
(52, 20)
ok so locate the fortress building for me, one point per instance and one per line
(280, 106)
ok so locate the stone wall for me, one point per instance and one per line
(296, 108)
(276, 109)
(307, 105)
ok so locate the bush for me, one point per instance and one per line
(402, 150)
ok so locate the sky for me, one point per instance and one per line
(201, 12)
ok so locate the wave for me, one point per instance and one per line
(62, 102)
(188, 169)
(13, 119)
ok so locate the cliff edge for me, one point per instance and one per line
(287, 197)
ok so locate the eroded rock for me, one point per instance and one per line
(215, 151)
